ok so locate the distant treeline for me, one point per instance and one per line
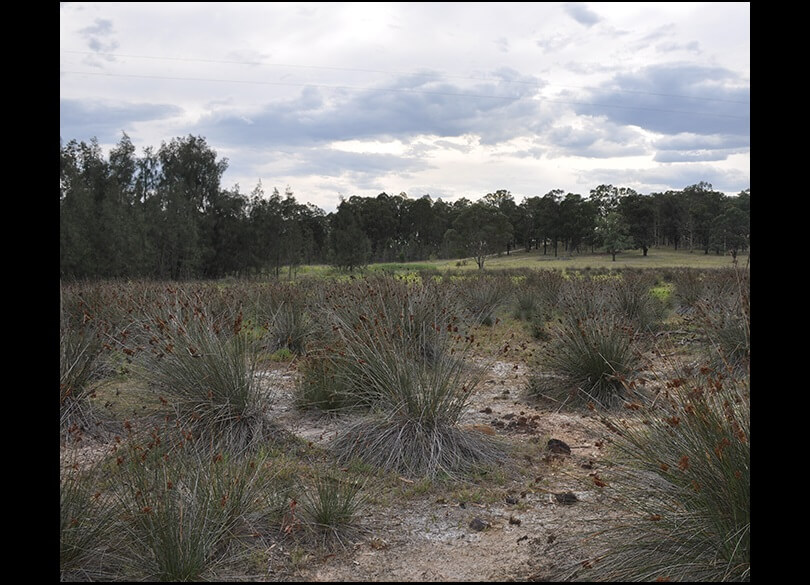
(165, 215)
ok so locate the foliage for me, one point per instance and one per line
(681, 471)
(330, 508)
(478, 231)
(590, 361)
(206, 367)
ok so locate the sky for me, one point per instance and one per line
(451, 100)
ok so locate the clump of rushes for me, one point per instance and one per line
(329, 509)
(183, 508)
(405, 339)
(283, 310)
(689, 288)
(87, 525)
(484, 295)
(329, 385)
(681, 473)
(537, 298)
(207, 370)
(590, 361)
(632, 299)
(725, 317)
(81, 364)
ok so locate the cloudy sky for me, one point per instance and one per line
(448, 99)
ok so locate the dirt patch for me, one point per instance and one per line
(521, 528)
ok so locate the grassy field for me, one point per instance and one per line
(339, 427)
(656, 258)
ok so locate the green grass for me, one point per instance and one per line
(656, 258)
(681, 471)
(664, 257)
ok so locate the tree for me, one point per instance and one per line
(478, 231)
(350, 247)
(638, 212)
(547, 219)
(613, 233)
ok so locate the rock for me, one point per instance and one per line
(566, 498)
(478, 525)
(512, 500)
(558, 447)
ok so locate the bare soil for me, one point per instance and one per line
(514, 530)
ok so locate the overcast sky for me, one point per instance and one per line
(448, 99)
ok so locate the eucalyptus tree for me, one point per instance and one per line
(479, 231)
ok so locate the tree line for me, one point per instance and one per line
(164, 214)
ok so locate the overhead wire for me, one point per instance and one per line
(380, 71)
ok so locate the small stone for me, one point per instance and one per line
(566, 498)
(559, 447)
(511, 500)
(478, 525)
(514, 521)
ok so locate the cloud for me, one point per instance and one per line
(688, 147)
(668, 177)
(581, 13)
(97, 36)
(328, 162)
(674, 98)
(85, 119)
(593, 139)
(412, 105)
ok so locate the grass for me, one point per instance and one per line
(206, 370)
(407, 344)
(682, 474)
(656, 258)
(330, 509)
(400, 347)
(181, 507)
(87, 524)
(589, 361)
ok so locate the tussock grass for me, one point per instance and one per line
(681, 472)
(589, 361)
(182, 508)
(329, 509)
(206, 368)
(398, 347)
(87, 522)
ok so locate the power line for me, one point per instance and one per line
(403, 90)
(411, 74)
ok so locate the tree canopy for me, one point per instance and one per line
(165, 214)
